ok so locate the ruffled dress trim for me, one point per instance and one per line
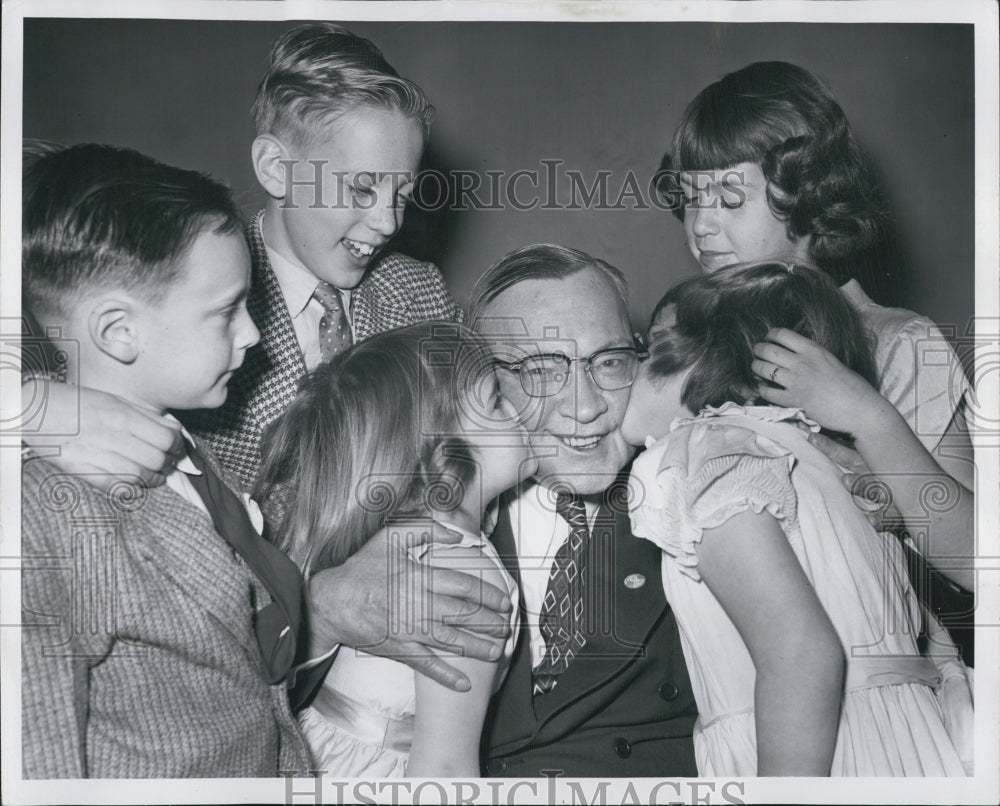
(710, 470)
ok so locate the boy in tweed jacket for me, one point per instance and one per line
(139, 654)
(339, 140)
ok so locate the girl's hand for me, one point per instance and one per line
(799, 373)
(101, 436)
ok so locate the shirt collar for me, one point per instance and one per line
(538, 498)
(184, 464)
(855, 294)
(296, 282)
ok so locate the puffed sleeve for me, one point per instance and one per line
(700, 476)
(479, 555)
(923, 378)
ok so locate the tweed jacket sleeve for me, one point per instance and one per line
(55, 673)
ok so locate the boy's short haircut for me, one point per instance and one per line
(318, 72)
(99, 217)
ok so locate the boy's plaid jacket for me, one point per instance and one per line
(396, 291)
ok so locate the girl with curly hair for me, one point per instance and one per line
(764, 166)
(798, 622)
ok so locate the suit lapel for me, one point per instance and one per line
(515, 697)
(276, 362)
(621, 615)
(382, 300)
(180, 539)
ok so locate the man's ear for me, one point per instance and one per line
(113, 328)
(267, 153)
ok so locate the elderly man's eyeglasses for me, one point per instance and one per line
(546, 374)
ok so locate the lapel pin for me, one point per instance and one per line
(635, 581)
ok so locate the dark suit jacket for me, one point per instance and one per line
(396, 291)
(624, 707)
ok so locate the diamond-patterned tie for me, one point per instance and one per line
(561, 619)
(334, 329)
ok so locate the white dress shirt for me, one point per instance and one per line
(539, 531)
(297, 285)
(178, 481)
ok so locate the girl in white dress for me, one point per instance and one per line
(404, 426)
(797, 618)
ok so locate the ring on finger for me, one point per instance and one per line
(773, 373)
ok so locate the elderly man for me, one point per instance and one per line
(598, 684)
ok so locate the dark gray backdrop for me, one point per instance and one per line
(597, 96)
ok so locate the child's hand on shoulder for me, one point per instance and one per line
(798, 373)
(92, 433)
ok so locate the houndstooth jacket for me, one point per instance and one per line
(396, 291)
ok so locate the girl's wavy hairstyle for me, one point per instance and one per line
(720, 316)
(373, 435)
(820, 183)
(320, 71)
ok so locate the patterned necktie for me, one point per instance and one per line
(561, 619)
(334, 329)
(277, 624)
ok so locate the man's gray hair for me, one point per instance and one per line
(541, 261)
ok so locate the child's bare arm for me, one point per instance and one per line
(841, 400)
(751, 569)
(384, 602)
(449, 723)
(85, 431)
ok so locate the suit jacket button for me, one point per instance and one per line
(496, 766)
(623, 748)
(667, 692)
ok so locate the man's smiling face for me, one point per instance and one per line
(575, 432)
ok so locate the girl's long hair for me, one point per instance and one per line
(372, 436)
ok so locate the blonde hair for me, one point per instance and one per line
(320, 71)
(373, 435)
